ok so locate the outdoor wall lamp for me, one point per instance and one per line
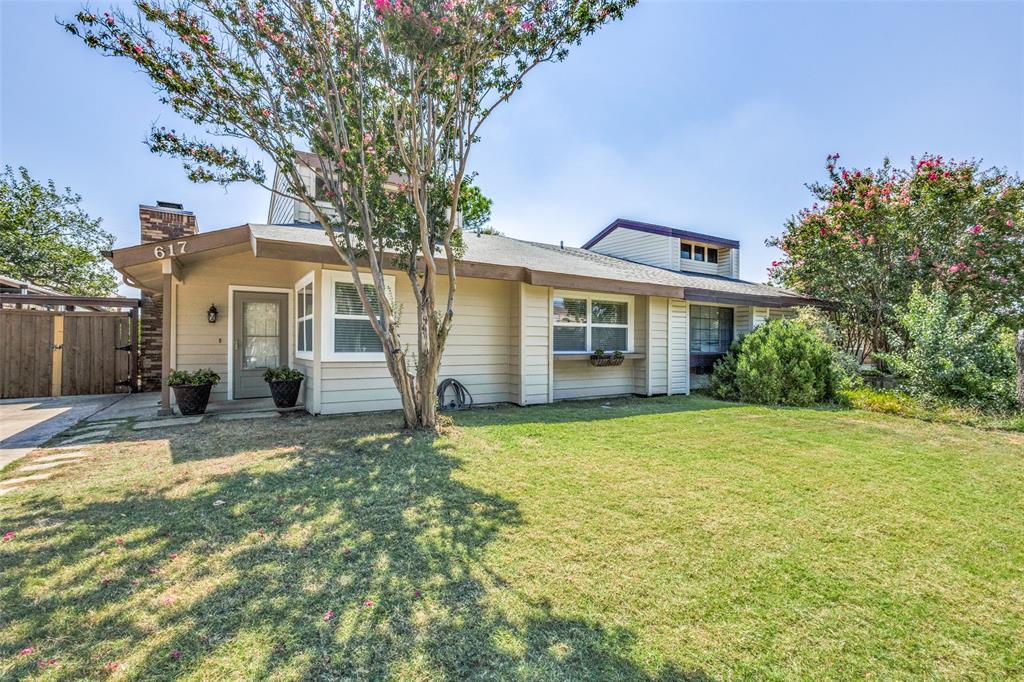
(211, 314)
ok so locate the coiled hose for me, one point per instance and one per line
(461, 398)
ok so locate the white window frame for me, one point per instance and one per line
(306, 281)
(591, 297)
(332, 277)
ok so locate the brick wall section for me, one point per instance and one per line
(157, 224)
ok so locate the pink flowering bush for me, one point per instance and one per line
(872, 235)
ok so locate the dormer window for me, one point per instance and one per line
(697, 253)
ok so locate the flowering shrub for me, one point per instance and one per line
(871, 235)
(783, 362)
(950, 353)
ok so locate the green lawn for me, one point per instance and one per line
(635, 539)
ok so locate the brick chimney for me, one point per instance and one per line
(166, 220)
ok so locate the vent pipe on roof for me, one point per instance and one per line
(561, 244)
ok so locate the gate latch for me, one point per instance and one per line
(56, 346)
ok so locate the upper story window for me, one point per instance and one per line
(347, 331)
(583, 323)
(304, 317)
(696, 252)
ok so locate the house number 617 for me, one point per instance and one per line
(165, 251)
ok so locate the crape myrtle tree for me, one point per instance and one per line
(872, 235)
(390, 95)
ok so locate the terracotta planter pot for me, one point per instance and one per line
(285, 393)
(192, 399)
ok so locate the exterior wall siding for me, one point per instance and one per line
(657, 345)
(640, 345)
(535, 350)
(782, 313)
(641, 247)
(679, 357)
(580, 379)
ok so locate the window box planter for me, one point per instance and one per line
(192, 399)
(284, 385)
(603, 360)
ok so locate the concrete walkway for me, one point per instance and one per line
(27, 423)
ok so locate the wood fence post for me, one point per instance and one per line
(57, 368)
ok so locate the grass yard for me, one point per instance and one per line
(669, 538)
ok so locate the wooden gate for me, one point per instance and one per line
(50, 353)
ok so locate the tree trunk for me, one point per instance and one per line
(1020, 369)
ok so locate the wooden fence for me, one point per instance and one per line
(51, 353)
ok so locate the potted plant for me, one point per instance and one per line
(192, 389)
(600, 359)
(284, 385)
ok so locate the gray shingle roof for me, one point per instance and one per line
(570, 261)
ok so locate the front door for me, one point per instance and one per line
(260, 340)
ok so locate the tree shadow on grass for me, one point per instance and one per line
(362, 556)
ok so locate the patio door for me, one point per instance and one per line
(260, 340)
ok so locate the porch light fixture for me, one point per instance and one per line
(211, 314)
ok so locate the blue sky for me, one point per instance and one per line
(710, 116)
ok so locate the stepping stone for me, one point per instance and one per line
(81, 440)
(101, 429)
(232, 416)
(90, 437)
(77, 454)
(25, 479)
(45, 465)
(170, 421)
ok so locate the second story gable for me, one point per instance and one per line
(669, 248)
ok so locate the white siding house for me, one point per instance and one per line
(528, 316)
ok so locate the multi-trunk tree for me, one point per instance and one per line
(872, 235)
(389, 94)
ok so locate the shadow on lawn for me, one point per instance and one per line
(375, 529)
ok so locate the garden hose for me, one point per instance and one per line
(461, 398)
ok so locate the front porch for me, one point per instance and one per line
(146, 406)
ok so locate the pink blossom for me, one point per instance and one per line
(527, 25)
(175, 654)
(27, 650)
(914, 255)
(203, 38)
(329, 614)
(436, 30)
(368, 603)
(174, 555)
(957, 267)
(1009, 223)
(932, 176)
(112, 666)
(8, 536)
(976, 229)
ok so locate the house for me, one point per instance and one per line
(528, 314)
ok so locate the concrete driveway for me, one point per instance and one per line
(26, 423)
